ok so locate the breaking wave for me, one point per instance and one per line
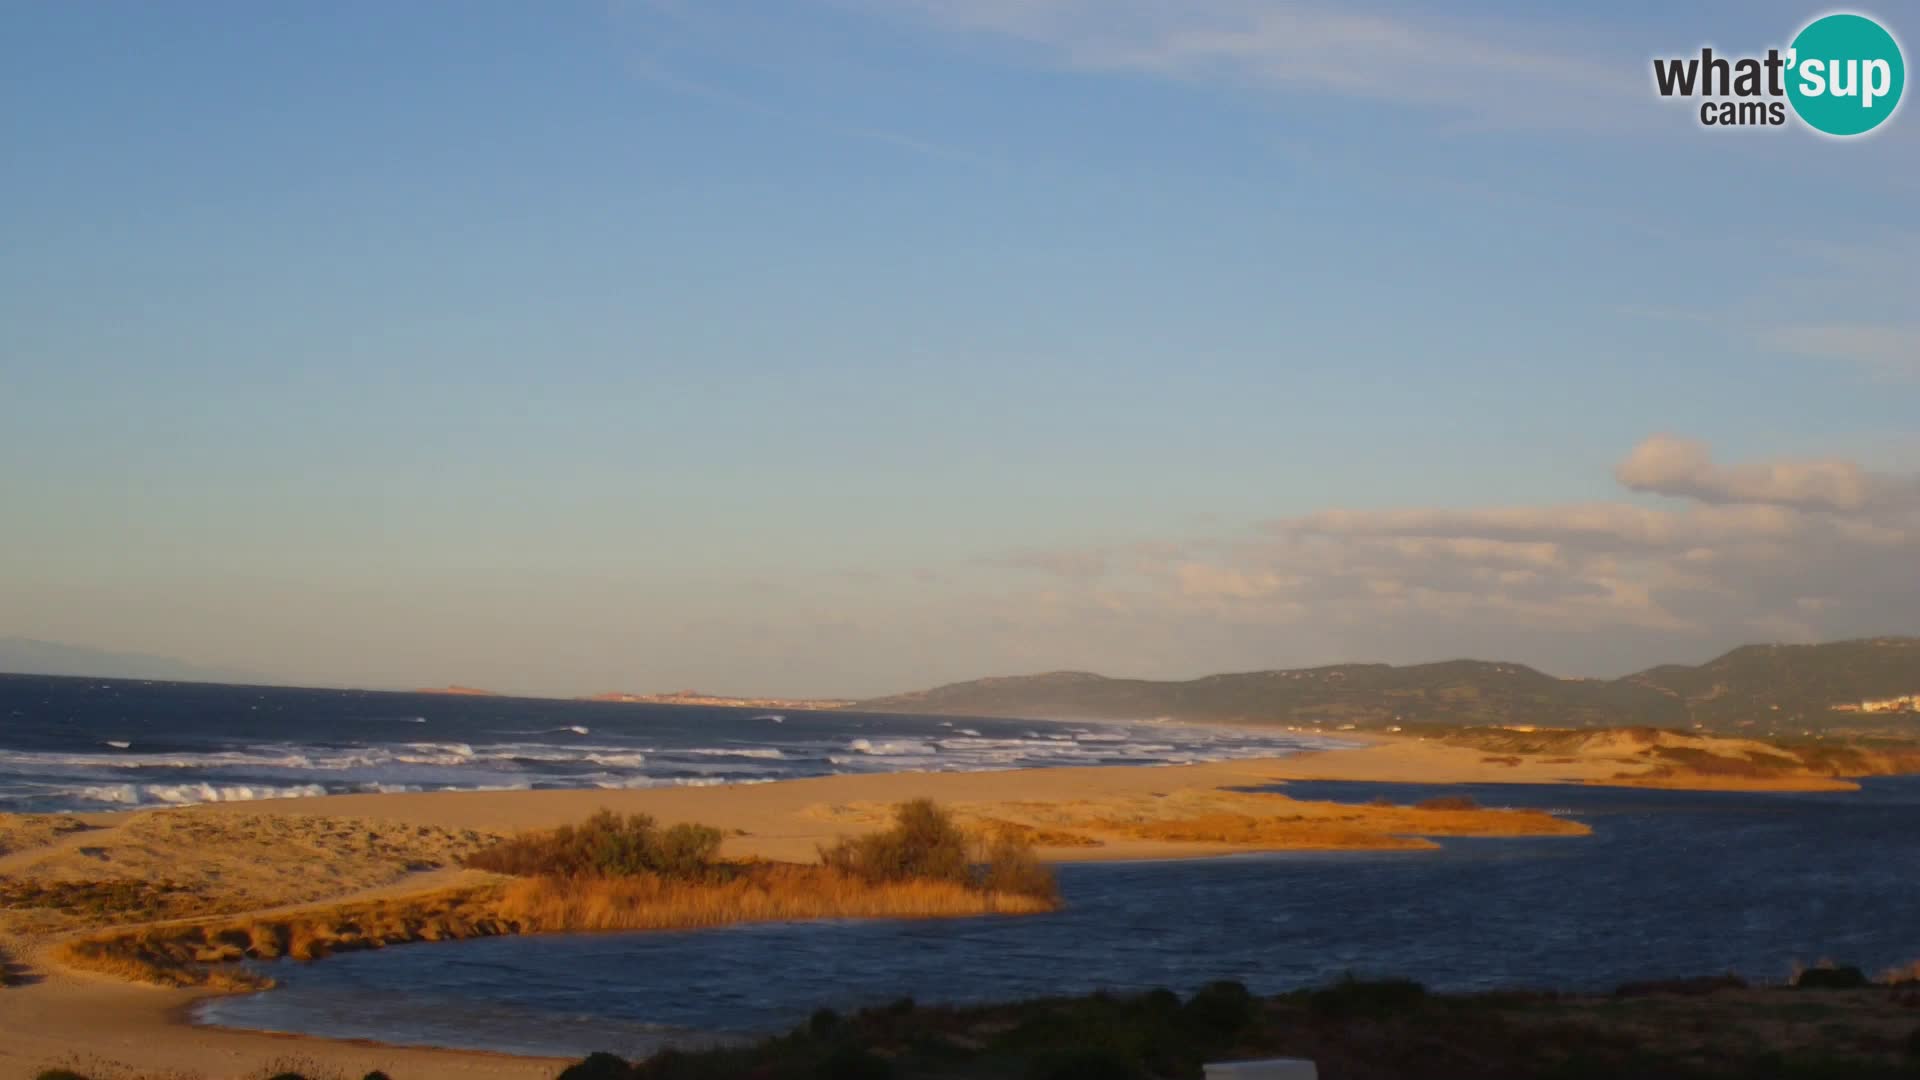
(127, 759)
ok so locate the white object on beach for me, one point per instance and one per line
(1270, 1069)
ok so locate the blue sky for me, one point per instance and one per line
(844, 346)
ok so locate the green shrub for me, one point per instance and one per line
(1160, 1000)
(671, 1064)
(1013, 868)
(376, 1075)
(598, 1066)
(59, 1074)
(607, 845)
(822, 1023)
(1089, 1065)
(686, 850)
(1352, 998)
(854, 1063)
(1832, 978)
(923, 844)
(1221, 1008)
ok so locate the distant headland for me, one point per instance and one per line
(695, 697)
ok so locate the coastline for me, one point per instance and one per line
(64, 1017)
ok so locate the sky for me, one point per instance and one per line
(844, 347)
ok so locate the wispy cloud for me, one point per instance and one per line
(1488, 71)
(1888, 349)
(653, 58)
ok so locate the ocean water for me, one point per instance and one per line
(1670, 884)
(88, 744)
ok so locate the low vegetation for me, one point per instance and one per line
(115, 898)
(24, 832)
(1354, 1029)
(925, 845)
(1265, 820)
(607, 873)
(1824, 1026)
(608, 845)
(10, 972)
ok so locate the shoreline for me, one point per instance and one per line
(68, 1017)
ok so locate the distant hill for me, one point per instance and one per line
(1782, 689)
(27, 656)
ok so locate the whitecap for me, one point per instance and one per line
(890, 747)
(194, 794)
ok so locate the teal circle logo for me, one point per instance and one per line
(1845, 74)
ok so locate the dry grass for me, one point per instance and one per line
(662, 883)
(117, 899)
(989, 829)
(173, 864)
(1269, 821)
(772, 892)
(24, 832)
(205, 953)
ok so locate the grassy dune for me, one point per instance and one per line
(1226, 818)
(1657, 757)
(610, 873)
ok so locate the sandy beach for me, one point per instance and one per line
(258, 857)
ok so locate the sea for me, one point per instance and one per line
(87, 744)
(1670, 884)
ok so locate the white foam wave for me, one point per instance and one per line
(120, 744)
(32, 759)
(630, 761)
(891, 747)
(629, 783)
(764, 753)
(193, 794)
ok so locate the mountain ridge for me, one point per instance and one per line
(1801, 689)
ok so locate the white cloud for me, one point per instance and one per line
(1667, 465)
(1797, 549)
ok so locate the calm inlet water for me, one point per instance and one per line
(1671, 883)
